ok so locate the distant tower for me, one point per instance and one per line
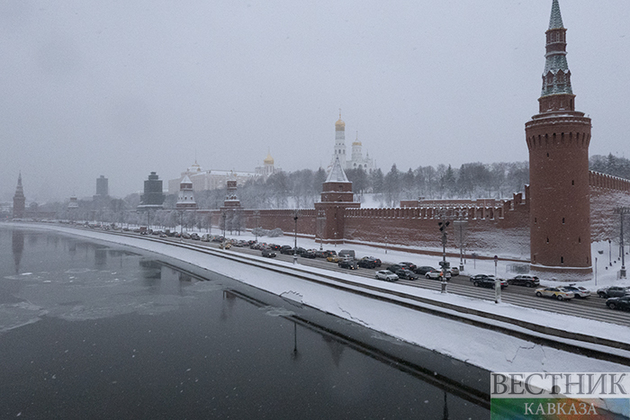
(357, 153)
(558, 139)
(153, 197)
(19, 201)
(336, 197)
(186, 197)
(340, 141)
(268, 168)
(102, 188)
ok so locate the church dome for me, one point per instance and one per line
(356, 143)
(268, 160)
(340, 125)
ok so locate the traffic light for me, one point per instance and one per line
(443, 226)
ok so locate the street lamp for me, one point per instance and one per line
(223, 216)
(256, 217)
(295, 219)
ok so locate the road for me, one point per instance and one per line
(593, 307)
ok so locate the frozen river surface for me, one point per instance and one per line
(91, 330)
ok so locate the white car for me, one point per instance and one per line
(578, 291)
(386, 275)
(554, 292)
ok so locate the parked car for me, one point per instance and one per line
(554, 292)
(386, 275)
(437, 275)
(489, 282)
(185, 235)
(622, 303)
(454, 271)
(195, 236)
(347, 253)
(367, 262)
(408, 264)
(423, 270)
(578, 291)
(394, 267)
(205, 237)
(405, 273)
(525, 280)
(348, 263)
(321, 254)
(613, 291)
(268, 253)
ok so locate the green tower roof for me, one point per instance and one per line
(555, 22)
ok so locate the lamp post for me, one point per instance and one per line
(622, 211)
(223, 216)
(610, 252)
(295, 219)
(256, 217)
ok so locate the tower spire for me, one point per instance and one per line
(557, 94)
(555, 22)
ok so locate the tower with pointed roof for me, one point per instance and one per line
(19, 201)
(186, 196)
(336, 197)
(340, 140)
(558, 138)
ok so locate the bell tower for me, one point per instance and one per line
(558, 138)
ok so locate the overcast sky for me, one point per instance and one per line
(123, 88)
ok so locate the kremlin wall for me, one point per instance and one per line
(551, 224)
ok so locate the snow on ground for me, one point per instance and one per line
(481, 347)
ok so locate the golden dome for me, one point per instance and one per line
(357, 143)
(268, 160)
(340, 125)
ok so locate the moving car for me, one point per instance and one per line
(405, 273)
(333, 258)
(367, 262)
(348, 263)
(554, 292)
(489, 282)
(578, 291)
(268, 253)
(423, 270)
(525, 280)
(386, 275)
(622, 303)
(454, 271)
(309, 253)
(437, 275)
(409, 265)
(612, 291)
(286, 249)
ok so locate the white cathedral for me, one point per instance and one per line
(356, 159)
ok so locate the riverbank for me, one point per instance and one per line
(482, 347)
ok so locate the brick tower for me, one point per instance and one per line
(558, 138)
(19, 201)
(336, 197)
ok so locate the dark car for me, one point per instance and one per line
(367, 262)
(524, 280)
(622, 303)
(489, 282)
(423, 270)
(349, 264)
(394, 267)
(612, 291)
(268, 253)
(409, 265)
(308, 254)
(286, 249)
(405, 273)
(321, 254)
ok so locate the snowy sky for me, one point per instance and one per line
(123, 88)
